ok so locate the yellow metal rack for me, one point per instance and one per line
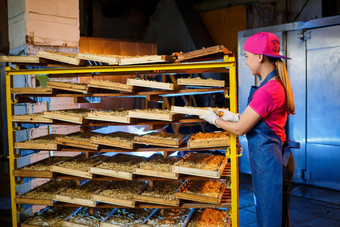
(227, 65)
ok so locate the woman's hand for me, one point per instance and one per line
(210, 117)
(229, 116)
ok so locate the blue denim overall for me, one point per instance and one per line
(265, 154)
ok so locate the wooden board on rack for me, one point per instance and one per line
(106, 116)
(219, 49)
(161, 139)
(210, 139)
(32, 90)
(60, 57)
(42, 143)
(115, 201)
(68, 86)
(147, 114)
(111, 173)
(185, 193)
(109, 59)
(67, 115)
(72, 172)
(74, 140)
(31, 118)
(109, 85)
(177, 168)
(150, 84)
(47, 202)
(145, 59)
(120, 216)
(201, 82)
(20, 59)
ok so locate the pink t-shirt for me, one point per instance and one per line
(269, 101)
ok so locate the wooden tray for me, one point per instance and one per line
(115, 173)
(225, 223)
(181, 194)
(216, 139)
(75, 142)
(69, 223)
(31, 118)
(74, 172)
(115, 211)
(109, 59)
(150, 115)
(145, 59)
(218, 49)
(109, 85)
(201, 82)
(31, 145)
(177, 168)
(171, 215)
(115, 201)
(67, 86)
(104, 116)
(20, 59)
(35, 173)
(150, 84)
(159, 141)
(105, 140)
(60, 57)
(32, 90)
(156, 173)
(155, 200)
(194, 110)
(65, 116)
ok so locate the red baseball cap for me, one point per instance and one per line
(264, 43)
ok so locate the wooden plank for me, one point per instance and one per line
(177, 168)
(145, 59)
(68, 86)
(197, 81)
(60, 57)
(202, 52)
(110, 85)
(109, 116)
(31, 90)
(74, 116)
(109, 59)
(31, 118)
(191, 110)
(151, 115)
(72, 172)
(20, 59)
(150, 84)
(149, 199)
(209, 143)
(111, 173)
(46, 202)
(116, 201)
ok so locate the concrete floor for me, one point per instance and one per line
(309, 206)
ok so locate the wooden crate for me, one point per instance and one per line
(35, 145)
(76, 142)
(210, 139)
(115, 201)
(177, 168)
(68, 86)
(109, 85)
(150, 84)
(150, 115)
(161, 141)
(32, 90)
(182, 194)
(31, 118)
(104, 116)
(93, 217)
(219, 49)
(200, 82)
(145, 59)
(170, 217)
(66, 115)
(35, 173)
(220, 218)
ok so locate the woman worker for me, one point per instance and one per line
(263, 123)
